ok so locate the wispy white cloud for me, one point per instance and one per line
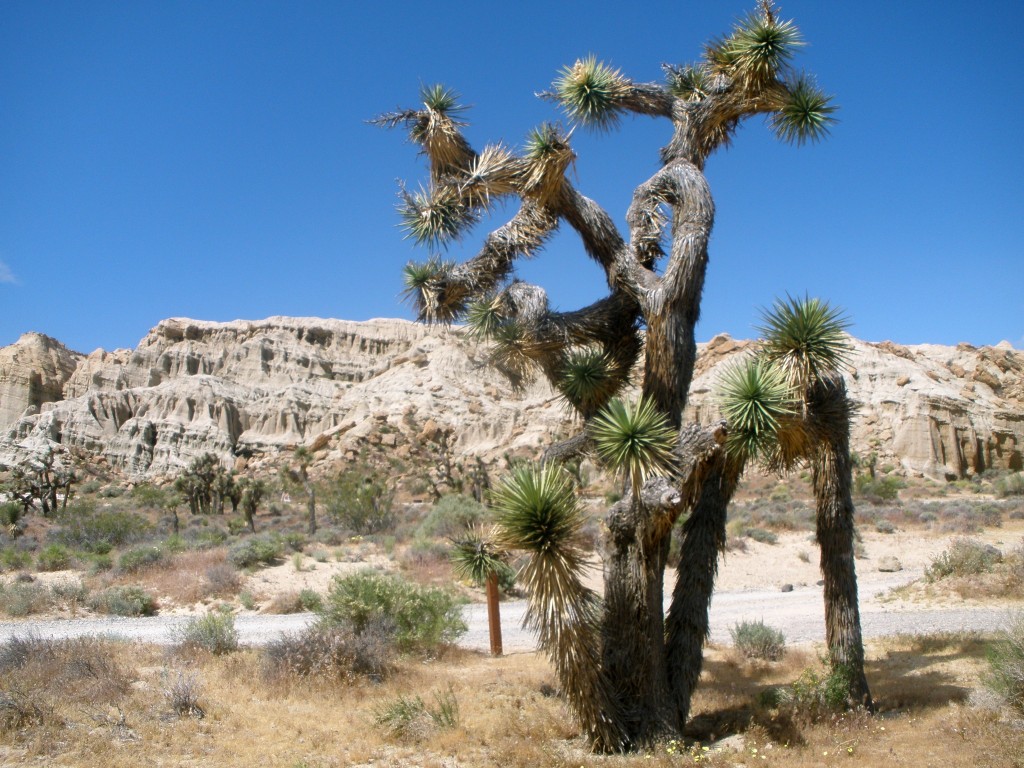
(6, 276)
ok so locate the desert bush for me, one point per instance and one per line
(83, 527)
(139, 558)
(332, 653)
(361, 502)
(181, 690)
(408, 717)
(878, 489)
(1010, 485)
(255, 550)
(39, 675)
(424, 618)
(13, 558)
(25, 598)
(817, 693)
(451, 516)
(311, 600)
(204, 536)
(69, 594)
(761, 535)
(756, 640)
(963, 557)
(222, 579)
(214, 632)
(285, 602)
(885, 526)
(124, 601)
(426, 552)
(53, 557)
(1005, 675)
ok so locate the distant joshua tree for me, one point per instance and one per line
(626, 669)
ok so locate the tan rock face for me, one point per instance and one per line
(941, 412)
(33, 371)
(250, 391)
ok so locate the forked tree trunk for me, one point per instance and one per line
(833, 479)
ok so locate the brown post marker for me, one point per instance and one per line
(493, 616)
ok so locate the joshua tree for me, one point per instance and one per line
(797, 383)
(303, 458)
(477, 556)
(252, 493)
(623, 668)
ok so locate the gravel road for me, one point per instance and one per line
(799, 614)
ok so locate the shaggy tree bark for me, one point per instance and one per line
(829, 412)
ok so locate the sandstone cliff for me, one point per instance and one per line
(249, 390)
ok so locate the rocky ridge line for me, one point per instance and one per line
(248, 391)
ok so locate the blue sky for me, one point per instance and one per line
(212, 159)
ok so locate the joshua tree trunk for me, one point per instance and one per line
(311, 507)
(829, 414)
(688, 622)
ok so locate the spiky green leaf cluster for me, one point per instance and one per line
(755, 397)
(428, 290)
(806, 115)
(437, 98)
(590, 92)
(635, 438)
(758, 49)
(484, 318)
(435, 217)
(537, 509)
(691, 82)
(476, 556)
(587, 380)
(806, 338)
(544, 141)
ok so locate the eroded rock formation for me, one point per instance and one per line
(249, 391)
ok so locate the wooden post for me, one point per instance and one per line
(493, 615)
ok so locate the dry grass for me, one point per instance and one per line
(508, 715)
(184, 578)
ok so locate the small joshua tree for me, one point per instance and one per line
(627, 670)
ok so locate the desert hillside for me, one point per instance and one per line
(247, 391)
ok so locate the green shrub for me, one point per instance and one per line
(124, 601)
(13, 559)
(215, 632)
(878, 489)
(294, 541)
(310, 600)
(756, 640)
(137, 559)
(761, 535)
(451, 516)
(255, 550)
(1005, 674)
(53, 557)
(964, 557)
(409, 717)
(25, 598)
(70, 594)
(361, 502)
(1011, 485)
(424, 618)
(815, 694)
(92, 530)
